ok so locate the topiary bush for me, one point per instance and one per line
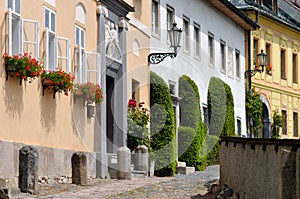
(221, 116)
(191, 143)
(162, 127)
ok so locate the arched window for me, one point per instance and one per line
(80, 12)
(136, 47)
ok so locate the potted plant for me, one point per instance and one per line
(90, 92)
(269, 69)
(23, 66)
(58, 81)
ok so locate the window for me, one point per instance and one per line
(186, 33)
(223, 55)
(295, 68)
(211, 50)
(284, 117)
(136, 47)
(135, 86)
(14, 6)
(205, 116)
(50, 20)
(80, 13)
(52, 2)
(239, 127)
(197, 40)
(238, 63)
(21, 34)
(86, 64)
(268, 4)
(268, 51)
(282, 64)
(172, 87)
(79, 54)
(155, 17)
(170, 20)
(295, 124)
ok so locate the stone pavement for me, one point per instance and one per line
(179, 186)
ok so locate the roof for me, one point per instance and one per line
(287, 14)
(234, 14)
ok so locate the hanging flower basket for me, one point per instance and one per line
(23, 67)
(90, 92)
(57, 81)
(269, 69)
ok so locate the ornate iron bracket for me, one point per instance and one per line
(156, 58)
(251, 73)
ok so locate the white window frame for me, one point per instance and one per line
(50, 28)
(211, 49)
(155, 17)
(197, 41)
(223, 56)
(86, 70)
(170, 20)
(13, 9)
(67, 57)
(186, 34)
(79, 56)
(15, 37)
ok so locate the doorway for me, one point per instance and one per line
(266, 122)
(110, 83)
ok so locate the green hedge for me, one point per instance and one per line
(221, 116)
(220, 108)
(162, 127)
(193, 145)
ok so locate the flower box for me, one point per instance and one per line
(23, 67)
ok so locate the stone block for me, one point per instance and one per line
(28, 170)
(124, 163)
(79, 169)
(141, 158)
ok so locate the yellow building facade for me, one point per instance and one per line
(279, 88)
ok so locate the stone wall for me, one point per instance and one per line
(261, 168)
(52, 162)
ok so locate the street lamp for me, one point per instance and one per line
(262, 59)
(175, 37)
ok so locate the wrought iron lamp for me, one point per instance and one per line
(175, 37)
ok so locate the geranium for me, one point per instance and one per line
(268, 69)
(91, 92)
(24, 66)
(58, 80)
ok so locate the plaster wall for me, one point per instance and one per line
(27, 116)
(261, 168)
(211, 21)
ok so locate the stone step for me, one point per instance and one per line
(185, 170)
(181, 164)
(139, 174)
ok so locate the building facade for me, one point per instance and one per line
(278, 37)
(213, 45)
(86, 40)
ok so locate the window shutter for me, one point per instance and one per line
(8, 32)
(63, 53)
(30, 37)
(91, 72)
(46, 49)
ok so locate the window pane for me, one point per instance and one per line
(47, 18)
(82, 38)
(10, 4)
(17, 6)
(77, 39)
(53, 22)
(284, 117)
(237, 62)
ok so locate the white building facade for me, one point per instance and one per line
(214, 43)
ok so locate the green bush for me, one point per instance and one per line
(221, 117)
(193, 146)
(163, 138)
(254, 110)
(220, 108)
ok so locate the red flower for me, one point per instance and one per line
(131, 103)
(18, 74)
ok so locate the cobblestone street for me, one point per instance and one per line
(179, 186)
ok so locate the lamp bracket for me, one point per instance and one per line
(251, 73)
(156, 58)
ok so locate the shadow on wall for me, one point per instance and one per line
(79, 115)
(48, 111)
(13, 97)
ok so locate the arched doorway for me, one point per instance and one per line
(265, 132)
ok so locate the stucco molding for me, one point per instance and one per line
(284, 101)
(102, 10)
(283, 41)
(123, 23)
(295, 46)
(269, 36)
